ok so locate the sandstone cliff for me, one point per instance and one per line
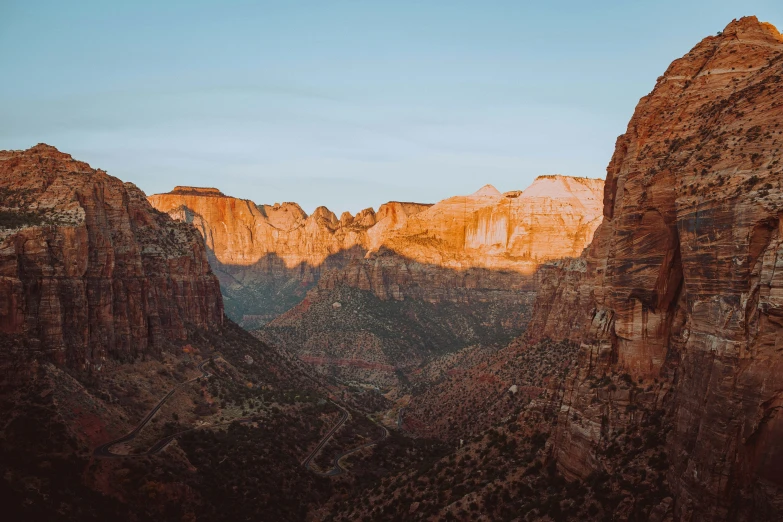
(88, 269)
(109, 319)
(682, 285)
(456, 274)
(267, 256)
(554, 217)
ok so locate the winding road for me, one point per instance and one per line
(307, 461)
(104, 450)
(340, 457)
(336, 468)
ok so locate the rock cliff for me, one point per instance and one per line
(554, 217)
(457, 274)
(268, 256)
(88, 269)
(682, 286)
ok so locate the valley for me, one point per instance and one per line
(578, 350)
(372, 297)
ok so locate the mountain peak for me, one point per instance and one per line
(748, 26)
(487, 190)
(43, 147)
(46, 150)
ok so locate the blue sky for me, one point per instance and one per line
(346, 104)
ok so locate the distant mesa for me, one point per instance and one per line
(196, 191)
(563, 177)
(487, 190)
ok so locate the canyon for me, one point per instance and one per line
(579, 350)
(109, 304)
(268, 256)
(379, 294)
(675, 307)
(371, 297)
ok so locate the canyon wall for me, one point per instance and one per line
(682, 287)
(268, 256)
(458, 274)
(381, 317)
(554, 217)
(88, 269)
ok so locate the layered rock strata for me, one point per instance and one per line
(554, 217)
(88, 269)
(268, 256)
(683, 283)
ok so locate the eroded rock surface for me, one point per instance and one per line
(459, 273)
(396, 313)
(682, 283)
(268, 256)
(554, 217)
(88, 269)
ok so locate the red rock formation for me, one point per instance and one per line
(241, 233)
(683, 279)
(554, 217)
(456, 273)
(267, 257)
(88, 269)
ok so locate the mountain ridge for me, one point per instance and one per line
(268, 256)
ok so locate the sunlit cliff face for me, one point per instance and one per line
(555, 217)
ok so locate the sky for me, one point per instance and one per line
(346, 104)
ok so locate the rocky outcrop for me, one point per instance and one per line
(682, 283)
(390, 276)
(268, 256)
(554, 217)
(240, 233)
(88, 269)
(564, 300)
